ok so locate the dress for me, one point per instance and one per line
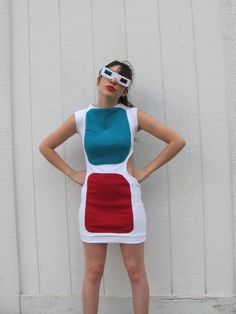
(111, 208)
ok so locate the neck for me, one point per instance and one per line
(106, 102)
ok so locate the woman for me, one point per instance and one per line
(111, 209)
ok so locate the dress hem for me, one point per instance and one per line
(113, 239)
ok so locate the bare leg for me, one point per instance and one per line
(95, 256)
(133, 255)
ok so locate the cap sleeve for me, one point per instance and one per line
(79, 120)
(134, 119)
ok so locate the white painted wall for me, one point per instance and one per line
(9, 274)
(183, 53)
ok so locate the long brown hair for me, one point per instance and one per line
(125, 70)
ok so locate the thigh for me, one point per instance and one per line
(95, 253)
(133, 254)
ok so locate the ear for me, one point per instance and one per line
(98, 79)
(125, 92)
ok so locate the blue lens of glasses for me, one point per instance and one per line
(107, 72)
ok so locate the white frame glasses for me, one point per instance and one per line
(122, 80)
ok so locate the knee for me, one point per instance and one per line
(136, 272)
(94, 273)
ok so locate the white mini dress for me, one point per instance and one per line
(111, 209)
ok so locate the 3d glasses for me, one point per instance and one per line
(111, 74)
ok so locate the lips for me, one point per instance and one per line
(110, 87)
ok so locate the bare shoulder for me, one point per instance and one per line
(62, 133)
(68, 127)
(150, 124)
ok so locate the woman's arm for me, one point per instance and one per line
(53, 140)
(175, 142)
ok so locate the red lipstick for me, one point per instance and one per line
(110, 87)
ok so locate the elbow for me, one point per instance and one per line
(182, 142)
(42, 148)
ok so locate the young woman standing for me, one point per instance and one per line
(111, 209)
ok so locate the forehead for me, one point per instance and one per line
(115, 68)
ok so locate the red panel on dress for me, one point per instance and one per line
(108, 204)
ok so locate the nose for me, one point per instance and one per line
(114, 80)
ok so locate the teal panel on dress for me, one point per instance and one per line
(107, 138)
